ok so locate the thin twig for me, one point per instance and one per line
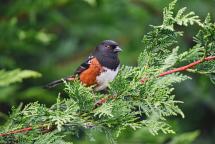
(44, 128)
(100, 102)
(17, 131)
(183, 68)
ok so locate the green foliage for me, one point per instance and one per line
(185, 138)
(206, 36)
(181, 18)
(205, 46)
(78, 92)
(50, 138)
(91, 2)
(17, 75)
(53, 37)
(140, 99)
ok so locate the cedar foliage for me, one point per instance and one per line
(134, 104)
(17, 75)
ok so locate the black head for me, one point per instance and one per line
(109, 47)
(107, 53)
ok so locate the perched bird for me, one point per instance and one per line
(100, 68)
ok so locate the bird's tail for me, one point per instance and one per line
(57, 82)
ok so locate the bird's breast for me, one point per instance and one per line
(88, 77)
(105, 77)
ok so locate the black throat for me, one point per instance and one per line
(109, 60)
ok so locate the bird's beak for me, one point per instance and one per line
(117, 49)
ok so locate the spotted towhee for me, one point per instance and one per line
(99, 69)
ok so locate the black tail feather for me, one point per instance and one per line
(57, 82)
(54, 83)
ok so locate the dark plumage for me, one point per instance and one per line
(107, 54)
(92, 72)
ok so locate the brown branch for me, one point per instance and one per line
(104, 100)
(45, 128)
(183, 68)
(17, 131)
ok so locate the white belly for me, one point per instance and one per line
(105, 78)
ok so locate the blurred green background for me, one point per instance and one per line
(54, 36)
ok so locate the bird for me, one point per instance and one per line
(99, 69)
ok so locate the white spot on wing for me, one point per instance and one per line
(105, 78)
(90, 58)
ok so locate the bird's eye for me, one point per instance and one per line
(107, 46)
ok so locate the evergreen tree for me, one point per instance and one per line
(139, 97)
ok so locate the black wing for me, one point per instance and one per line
(78, 71)
(83, 66)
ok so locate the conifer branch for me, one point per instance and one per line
(104, 100)
(17, 131)
(184, 68)
(44, 128)
(131, 102)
